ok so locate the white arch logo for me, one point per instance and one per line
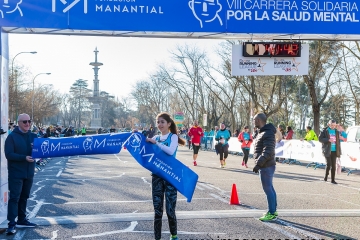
(206, 10)
(69, 6)
(10, 6)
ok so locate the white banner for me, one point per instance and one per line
(265, 66)
(308, 151)
(4, 92)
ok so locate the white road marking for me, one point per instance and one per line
(344, 200)
(132, 227)
(193, 233)
(219, 198)
(59, 173)
(120, 159)
(354, 188)
(70, 203)
(205, 185)
(306, 233)
(186, 215)
(129, 229)
(87, 179)
(19, 235)
(200, 188)
(36, 208)
(131, 201)
(38, 189)
(282, 231)
(54, 234)
(145, 181)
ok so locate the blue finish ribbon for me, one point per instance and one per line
(148, 155)
(159, 163)
(82, 145)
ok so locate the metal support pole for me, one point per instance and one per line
(16, 85)
(32, 99)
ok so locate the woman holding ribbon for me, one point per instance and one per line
(168, 142)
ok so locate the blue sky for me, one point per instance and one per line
(67, 58)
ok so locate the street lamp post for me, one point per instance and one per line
(12, 76)
(32, 99)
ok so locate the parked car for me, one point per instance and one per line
(353, 134)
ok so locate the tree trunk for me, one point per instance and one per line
(316, 111)
(314, 103)
(233, 123)
(357, 114)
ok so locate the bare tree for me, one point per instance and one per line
(17, 87)
(351, 73)
(187, 78)
(323, 62)
(152, 96)
(46, 102)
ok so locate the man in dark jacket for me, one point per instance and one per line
(151, 132)
(264, 155)
(21, 166)
(331, 149)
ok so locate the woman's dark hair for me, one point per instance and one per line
(288, 128)
(246, 127)
(308, 128)
(173, 127)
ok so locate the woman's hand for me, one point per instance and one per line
(150, 140)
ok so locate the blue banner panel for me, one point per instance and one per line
(84, 145)
(159, 163)
(213, 16)
(146, 154)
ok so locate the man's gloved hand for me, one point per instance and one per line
(256, 169)
(2, 131)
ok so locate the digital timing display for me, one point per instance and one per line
(272, 49)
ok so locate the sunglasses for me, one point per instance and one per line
(26, 121)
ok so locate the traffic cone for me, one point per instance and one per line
(234, 200)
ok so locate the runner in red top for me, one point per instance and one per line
(195, 134)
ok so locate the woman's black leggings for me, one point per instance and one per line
(160, 187)
(224, 151)
(331, 163)
(246, 152)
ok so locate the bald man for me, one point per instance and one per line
(21, 167)
(264, 155)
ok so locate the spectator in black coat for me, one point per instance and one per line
(21, 167)
(112, 129)
(151, 132)
(47, 133)
(331, 148)
(145, 132)
(69, 132)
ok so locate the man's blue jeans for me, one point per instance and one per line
(266, 177)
